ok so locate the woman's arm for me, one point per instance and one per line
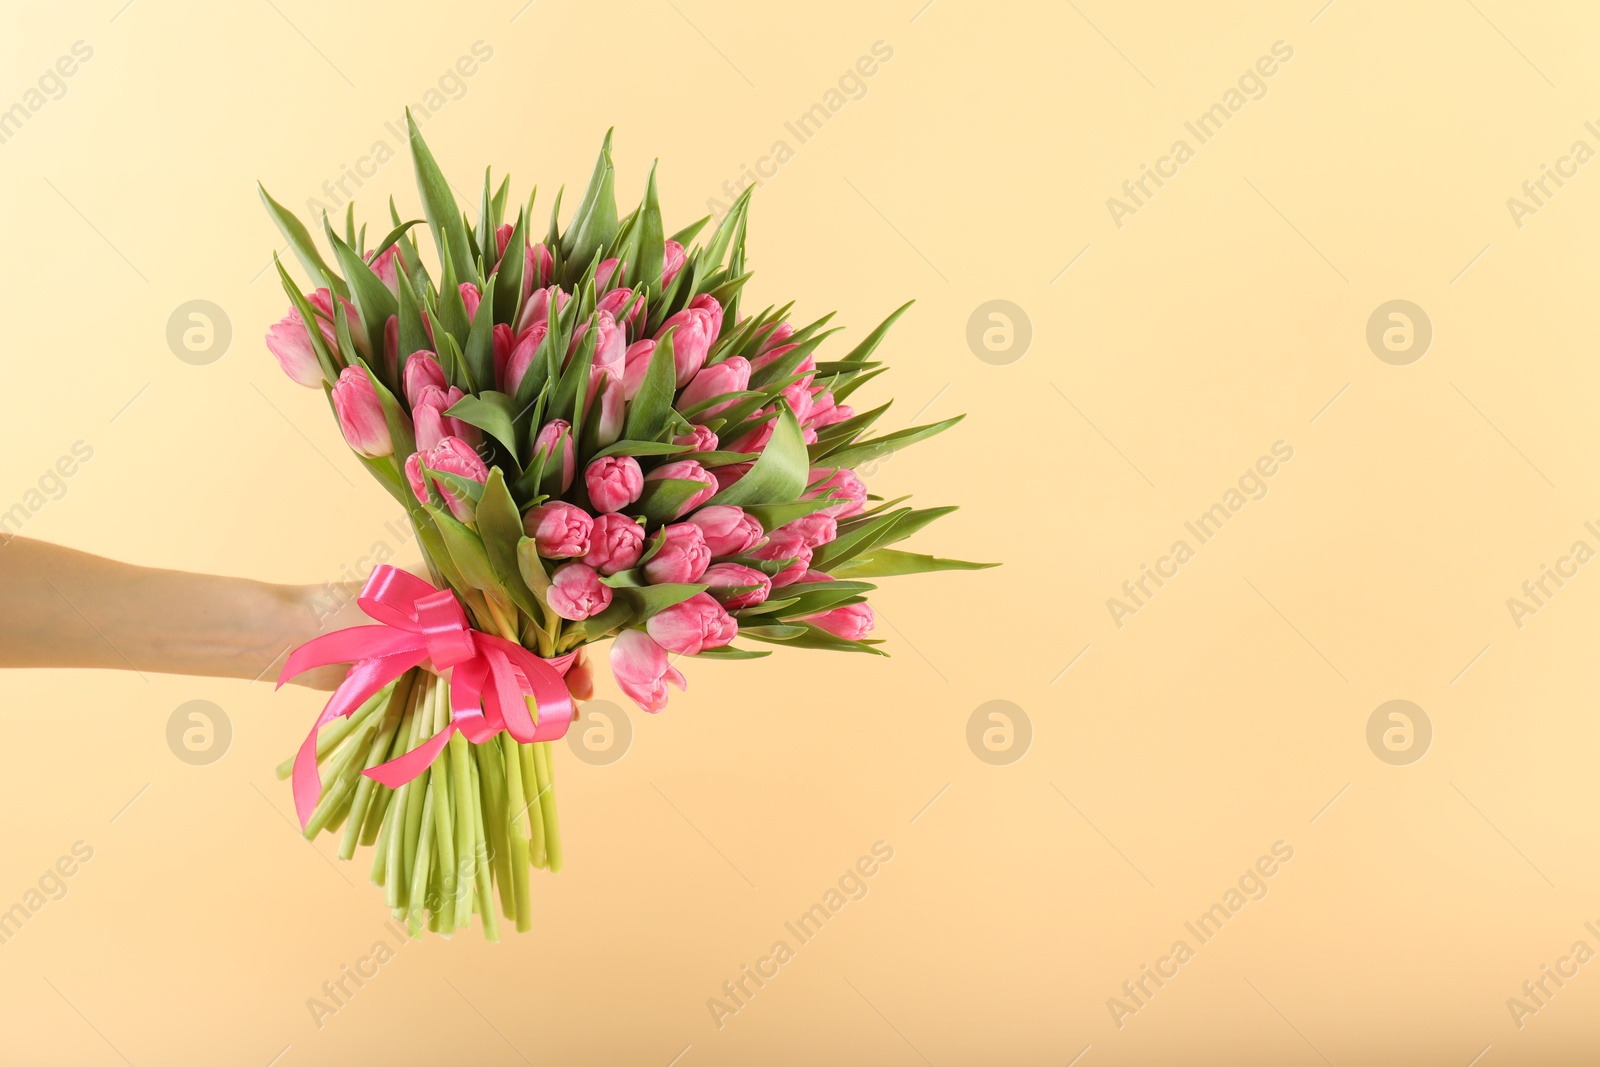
(64, 608)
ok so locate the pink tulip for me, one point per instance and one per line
(450, 456)
(785, 544)
(814, 530)
(290, 344)
(502, 237)
(504, 341)
(687, 470)
(610, 345)
(699, 438)
(322, 301)
(635, 362)
(799, 398)
(683, 557)
(604, 272)
(537, 307)
(613, 412)
(538, 269)
(386, 267)
(642, 671)
(522, 355)
(576, 592)
(722, 577)
(619, 300)
(672, 260)
(692, 625)
(613, 482)
(422, 369)
(732, 375)
(774, 347)
(851, 622)
(560, 530)
(433, 425)
(696, 331)
(557, 434)
(844, 485)
(616, 543)
(472, 296)
(728, 530)
(360, 413)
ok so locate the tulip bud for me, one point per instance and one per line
(522, 356)
(540, 266)
(699, 438)
(841, 484)
(785, 544)
(610, 344)
(615, 544)
(619, 300)
(683, 556)
(556, 439)
(635, 362)
(471, 296)
(686, 470)
(851, 622)
(613, 482)
(641, 669)
(450, 456)
(576, 592)
(433, 425)
(736, 585)
(732, 375)
(290, 344)
(386, 267)
(422, 369)
(559, 530)
(728, 530)
(696, 331)
(814, 530)
(692, 625)
(503, 341)
(360, 413)
(538, 306)
(604, 273)
(672, 260)
(322, 301)
(613, 412)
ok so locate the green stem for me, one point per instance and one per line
(439, 794)
(547, 802)
(530, 785)
(521, 829)
(467, 832)
(399, 700)
(483, 880)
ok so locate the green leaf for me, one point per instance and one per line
(814, 597)
(493, 413)
(885, 562)
(479, 348)
(866, 451)
(722, 239)
(641, 448)
(688, 233)
(652, 404)
(729, 652)
(413, 334)
(500, 527)
(652, 246)
(513, 265)
(299, 239)
(531, 567)
(869, 344)
(663, 499)
(372, 298)
(779, 472)
(773, 631)
(451, 308)
(394, 237)
(466, 550)
(856, 540)
(399, 426)
(594, 223)
(649, 599)
(438, 202)
(816, 637)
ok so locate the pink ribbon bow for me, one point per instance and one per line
(417, 623)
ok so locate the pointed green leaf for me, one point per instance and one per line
(439, 203)
(885, 562)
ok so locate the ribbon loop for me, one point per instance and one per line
(491, 678)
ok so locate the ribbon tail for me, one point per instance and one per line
(397, 772)
(364, 679)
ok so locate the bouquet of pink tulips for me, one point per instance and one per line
(592, 442)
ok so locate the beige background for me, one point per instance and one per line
(1230, 713)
